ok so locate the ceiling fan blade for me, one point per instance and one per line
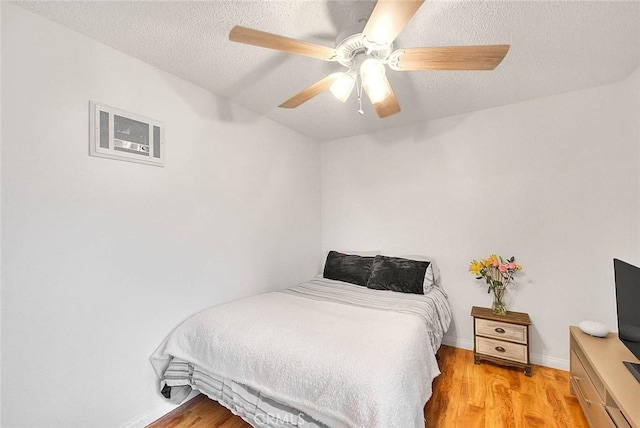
(263, 39)
(450, 58)
(311, 91)
(388, 19)
(383, 99)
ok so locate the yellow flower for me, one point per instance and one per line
(492, 260)
(476, 267)
(518, 267)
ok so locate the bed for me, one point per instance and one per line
(325, 353)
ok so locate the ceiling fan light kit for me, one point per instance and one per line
(343, 86)
(366, 48)
(372, 71)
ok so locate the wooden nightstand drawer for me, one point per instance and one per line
(501, 330)
(500, 349)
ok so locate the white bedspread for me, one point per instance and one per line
(365, 363)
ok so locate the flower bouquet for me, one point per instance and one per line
(498, 273)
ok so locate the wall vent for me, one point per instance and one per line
(117, 134)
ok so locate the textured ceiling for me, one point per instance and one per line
(555, 47)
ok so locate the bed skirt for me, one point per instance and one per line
(249, 404)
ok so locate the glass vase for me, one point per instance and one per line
(498, 306)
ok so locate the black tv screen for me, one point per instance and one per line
(628, 302)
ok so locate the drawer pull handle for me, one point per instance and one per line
(499, 330)
(500, 349)
(586, 400)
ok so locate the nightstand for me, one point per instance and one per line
(501, 339)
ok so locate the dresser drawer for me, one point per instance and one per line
(500, 349)
(588, 396)
(585, 366)
(501, 330)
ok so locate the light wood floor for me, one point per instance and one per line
(465, 395)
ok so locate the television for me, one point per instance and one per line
(627, 279)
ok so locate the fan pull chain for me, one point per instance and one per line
(359, 90)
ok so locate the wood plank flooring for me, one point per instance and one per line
(464, 395)
(487, 395)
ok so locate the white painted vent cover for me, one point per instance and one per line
(117, 134)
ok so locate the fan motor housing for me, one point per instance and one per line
(354, 45)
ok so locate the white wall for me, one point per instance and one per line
(103, 258)
(0, 216)
(634, 90)
(550, 181)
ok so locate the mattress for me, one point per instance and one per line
(324, 353)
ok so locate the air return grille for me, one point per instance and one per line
(117, 134)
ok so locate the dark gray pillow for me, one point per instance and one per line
(348, 268)
(397, 274)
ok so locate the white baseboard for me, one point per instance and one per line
(457, 342)
(547, 361)
(539, 359)
(145, 419)
(155, 414)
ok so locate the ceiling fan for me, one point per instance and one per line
(365, 51)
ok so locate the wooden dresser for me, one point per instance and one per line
(502, 339)
(607, 391)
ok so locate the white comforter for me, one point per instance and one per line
(363, 363)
